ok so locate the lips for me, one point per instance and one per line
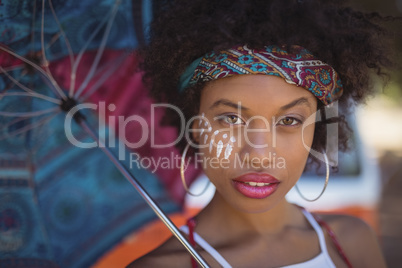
(256, 185)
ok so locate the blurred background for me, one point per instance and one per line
(380, 125)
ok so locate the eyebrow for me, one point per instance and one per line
(299, 101)
(228, 103)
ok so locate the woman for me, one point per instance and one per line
(251, 77)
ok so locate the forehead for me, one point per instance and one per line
(254, 91)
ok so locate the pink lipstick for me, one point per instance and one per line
(256, 185)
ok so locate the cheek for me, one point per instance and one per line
(218, 144)
(218, 149)
(296, 142)
(308, 135)
(295, 149)
(303, 147)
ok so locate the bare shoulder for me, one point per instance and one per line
(169, 254)
(357, 239)
(348, 225)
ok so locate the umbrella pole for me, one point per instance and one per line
(175, 231)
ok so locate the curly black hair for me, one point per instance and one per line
(354, 43)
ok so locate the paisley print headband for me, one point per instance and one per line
(300, 68)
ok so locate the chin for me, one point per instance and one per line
(254, 206)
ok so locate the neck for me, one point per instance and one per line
(230, 220)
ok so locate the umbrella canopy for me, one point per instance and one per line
(21, 24)
(62, 205)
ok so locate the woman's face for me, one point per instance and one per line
(252, 140)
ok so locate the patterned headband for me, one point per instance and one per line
(300, 68)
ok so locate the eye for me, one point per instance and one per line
(231, 119)
(289, 121)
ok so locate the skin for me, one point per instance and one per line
(267, 232)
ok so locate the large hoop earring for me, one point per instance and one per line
(325, 184)
(183, 180)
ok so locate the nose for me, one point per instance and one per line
(259, 147)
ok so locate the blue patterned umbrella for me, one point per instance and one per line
(61, 205)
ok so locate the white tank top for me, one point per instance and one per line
(322, 260)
